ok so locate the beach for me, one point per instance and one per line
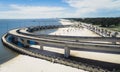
(23, 63)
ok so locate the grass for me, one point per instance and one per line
(115, 28)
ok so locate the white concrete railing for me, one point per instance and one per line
(67, 43)
(53, 59)
(112, 40)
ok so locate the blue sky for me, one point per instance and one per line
(11, 9)
(35, 2)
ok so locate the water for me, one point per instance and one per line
(8, 24)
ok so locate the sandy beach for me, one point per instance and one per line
(24, 63)
(29, 64)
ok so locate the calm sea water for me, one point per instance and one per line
(8, 24)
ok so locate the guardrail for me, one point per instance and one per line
(36, 28)
(53, 59)
(113, 40)
(67, 42)
(75, 44)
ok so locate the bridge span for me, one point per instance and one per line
(26, 35)
(110, 44)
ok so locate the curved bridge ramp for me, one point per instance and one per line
(68, 43)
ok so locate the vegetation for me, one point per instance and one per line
(111, 23)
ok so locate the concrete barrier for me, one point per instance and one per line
(64, 41)
(53, 59)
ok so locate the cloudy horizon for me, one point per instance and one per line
(21, 9)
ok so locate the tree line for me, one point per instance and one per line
(103, 22)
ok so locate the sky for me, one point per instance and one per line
(27, 9)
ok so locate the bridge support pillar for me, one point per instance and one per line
(26, 43)
(66, 52)
(41, 46)
(15, 40)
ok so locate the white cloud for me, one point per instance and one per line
(75, 8)
(36, 8)
(90, 6)
(18, 11)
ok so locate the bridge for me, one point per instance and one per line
(25, 35)
(106, 43)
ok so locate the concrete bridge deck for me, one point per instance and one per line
(68, 42)
(52, 59)
(71, 38)
(63, 42)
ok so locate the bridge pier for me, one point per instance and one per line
(41, 46)
(114, 36)
(66, 52)
(25, 42)
(14, 39)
